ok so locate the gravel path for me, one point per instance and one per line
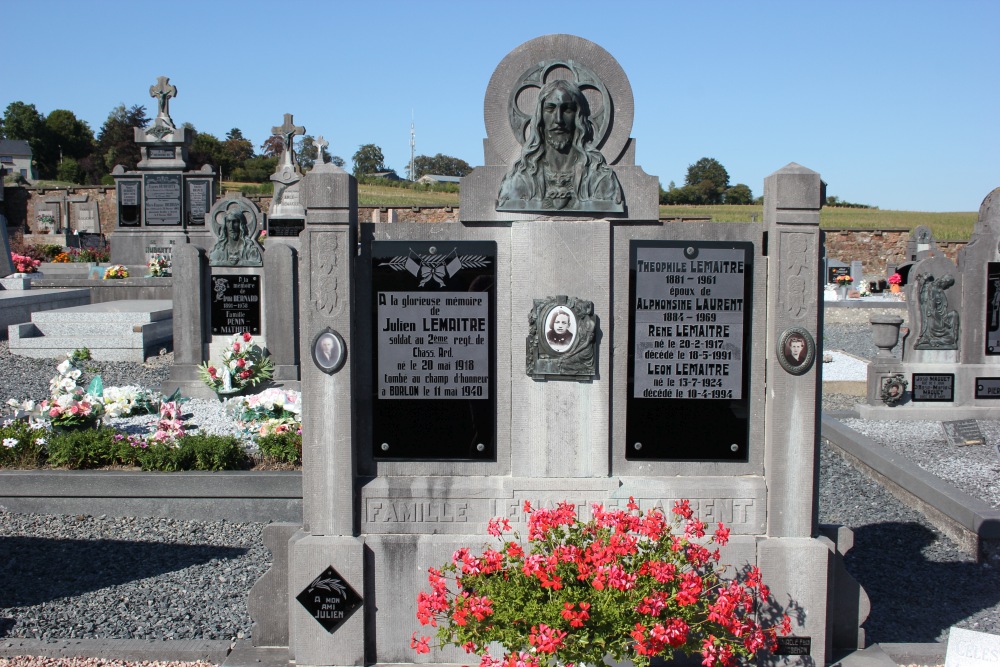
(156, 579)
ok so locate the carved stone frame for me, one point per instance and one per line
(547, 362)
(340, 349)
(785, 360)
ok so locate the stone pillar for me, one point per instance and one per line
(189, 271)
(6, 265)
(328, 538)
(281, 317)
(792, 199)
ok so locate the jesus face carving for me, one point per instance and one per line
(559, 111)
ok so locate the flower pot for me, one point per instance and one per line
(841, 292)
(885, 333)
(894, 289)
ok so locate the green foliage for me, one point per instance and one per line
(82, 354)
(205, 149)
(90, 448)
(262, 189)
(368, 160)
(706, 183)
(70, 135)
(23, 121)
(70, 170)
(22, 446)
(255, 170)
(194, 452)
(837, 201)
(739, 194)
(439, 165)
(281, 448)
(116, 138)
(47, 251)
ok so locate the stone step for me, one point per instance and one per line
(112, 331)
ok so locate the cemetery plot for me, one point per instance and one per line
(434, 339)
(689, 350)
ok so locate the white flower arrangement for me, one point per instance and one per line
(129, 400)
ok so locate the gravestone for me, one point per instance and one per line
(950, 362)
(86, 217)
(526, 353)
(857, 272)
(286, 217)
(234, 286)
(6, 263)
(835, 268)
(161, 204)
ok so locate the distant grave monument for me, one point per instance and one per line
(286, 217)
(950, 356)
(161, 205)
(558, 343)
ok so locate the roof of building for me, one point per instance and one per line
(15, 147)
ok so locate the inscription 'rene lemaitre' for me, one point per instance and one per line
(389, 512)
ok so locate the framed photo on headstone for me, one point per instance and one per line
(689, 350)
(434, 344)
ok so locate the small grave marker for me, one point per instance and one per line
(968, 648)
(330, 599)
(794, 646)
(963, 432)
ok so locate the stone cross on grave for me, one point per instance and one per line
(288, 131)
(321, 145)
(163, 91)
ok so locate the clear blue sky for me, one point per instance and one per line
(895, 103)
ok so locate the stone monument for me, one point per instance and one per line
(161, 204)
(286, 217)
(558, 343)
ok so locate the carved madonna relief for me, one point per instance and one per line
(561, 113)
(561, 342)
(236, 223)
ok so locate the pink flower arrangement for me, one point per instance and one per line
(23, 263)
(170, 427)
(895, 279)
(626, 583)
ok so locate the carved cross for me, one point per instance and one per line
(321, 145)
(288, 131)
(163, 91)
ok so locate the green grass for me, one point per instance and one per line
(374, 195)
(945, 226)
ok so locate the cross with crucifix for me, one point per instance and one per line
(321, 145)
(163, 91)
(288, 131)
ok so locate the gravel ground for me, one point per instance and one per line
(156, 579)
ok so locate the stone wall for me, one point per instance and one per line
(875, 248)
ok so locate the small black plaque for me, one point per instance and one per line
(285, 226)
(330, 599)
(992, 336)
(200, 195)
(933, 387)
(963, 432)
(988, 388)
(161, 153)
(235, 304)
(835, 272)
(793, 646)
(129, 213)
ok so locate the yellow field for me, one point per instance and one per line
(946, 226)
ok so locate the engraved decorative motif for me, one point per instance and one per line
(938, 324)
(435, 268)
(798, 274)
(561, 342)
(326, 284)
(159, 131)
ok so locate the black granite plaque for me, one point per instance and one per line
(129, 198)
(330, 599)
(162, 198)
(992, 308)
(963, 432)
(933, 387)
(793, 646)
(434, 343)
(235, 304)
(834, 272)
(988, 388)
(285, 226)
(198, 202)
(161, 153)
(689, 350)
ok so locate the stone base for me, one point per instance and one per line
(964, 406)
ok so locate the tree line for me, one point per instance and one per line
(65, 148)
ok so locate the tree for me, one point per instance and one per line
(257, 169)
(738, 194)
(205, 149)
(69, 171)
(116, 138)
(709, 178)
(439, 165)
(272, 146)
(337, 160)
(368, 160)
(307, 152)
(22, 121)
(236, 149)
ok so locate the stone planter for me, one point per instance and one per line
(842, 292)
(885, 333)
